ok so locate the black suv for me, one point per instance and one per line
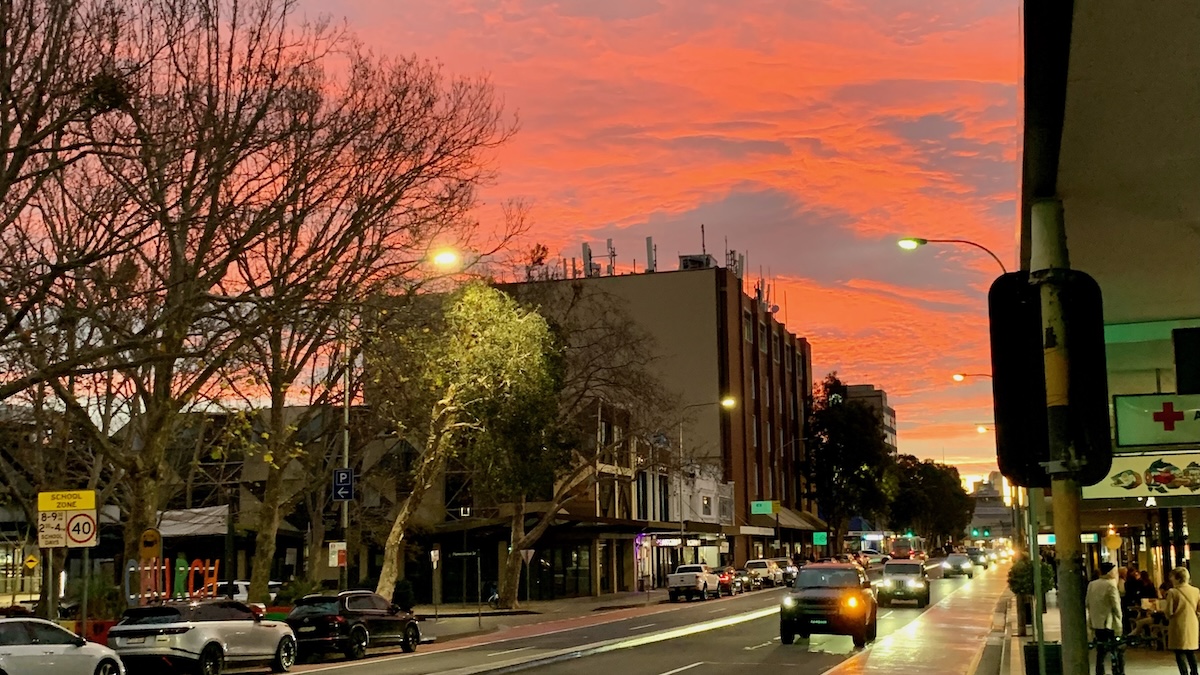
(830, 599)
(350, 622)
(904, 580)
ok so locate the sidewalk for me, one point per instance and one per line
(1138, 660)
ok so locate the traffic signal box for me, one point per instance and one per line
(1019, 378)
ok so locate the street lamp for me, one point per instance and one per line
(727, 403)
(913, 243)
(959, 377)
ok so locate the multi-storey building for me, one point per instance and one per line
(876, 399)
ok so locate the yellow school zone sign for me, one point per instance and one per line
(71, 500)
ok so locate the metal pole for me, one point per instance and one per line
(1036, 499)
(344, 570)
(528, 580)
(1049, 259)
(229, 546)
(83, 601)
(479, 584)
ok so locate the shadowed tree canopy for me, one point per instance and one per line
(930, 499)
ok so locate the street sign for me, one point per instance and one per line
(81, 529)
(73, 500)
(55, 510)
(337, 554)
(150, 545)
(464, 554)
(527, 554)
(762, 508)
(52, 529)
(1157, 419)
(435, 555)
(343, 485)
(31, 561)
(820, 538)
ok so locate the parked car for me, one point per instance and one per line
(203, 636)
(692, 581)
(38, 647)
(241, 590)
(874, 557)
(351, 622)
(904, 580)
(731, 581)
(788, 569)
(751, 581)
(831, 599)
(770, 572)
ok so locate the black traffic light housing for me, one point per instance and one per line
(1019, 378)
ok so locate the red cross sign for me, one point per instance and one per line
(1169, 416)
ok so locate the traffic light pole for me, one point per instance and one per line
(1048, 260)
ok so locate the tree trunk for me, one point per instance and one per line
(143, 509)
(316, 543)
(269, 517)
(510, 581)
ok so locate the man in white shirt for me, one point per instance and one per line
(1104, 611)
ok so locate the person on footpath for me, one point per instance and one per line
(1183, 627)
(1104, 611)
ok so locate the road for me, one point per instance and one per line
(697, 637)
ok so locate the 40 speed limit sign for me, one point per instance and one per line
(81, 529)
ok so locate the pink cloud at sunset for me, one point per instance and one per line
(811, 134)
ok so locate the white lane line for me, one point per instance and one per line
(714, 611)
(750, 649)
(680, 670)
(509, 651)
(885, 615)
(641, 627)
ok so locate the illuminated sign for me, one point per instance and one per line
(694, 542)
(670, 541)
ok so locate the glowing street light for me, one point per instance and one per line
(959, 377)
(728, 402)
(981, 428)
(913, 243)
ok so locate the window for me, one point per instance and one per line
(359, 603)
(769, 438)
(775, 346)
(706, 506)
(377, 602)
(13, 633)
(748, 327)
(754, 421)
(762, 337)
(787, 360)
(222, 611)
(754, 385)
(49, 634)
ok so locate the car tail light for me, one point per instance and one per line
(176, 631)
(337, 618)
(724, 577)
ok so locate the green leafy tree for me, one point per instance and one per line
(930, 499)
(442, 369)
(850, 465)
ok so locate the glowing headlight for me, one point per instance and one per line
(915, 583)
(852, 602)
(946, 565)
(789, 601)
(889, 582)
(965, 566)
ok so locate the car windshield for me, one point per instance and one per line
(906, 570)
(756, 565)
(957, 558)
(827, 578)
(145, 616)
(315, 607)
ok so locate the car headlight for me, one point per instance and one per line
(851, 602)
(946, 565)
(789, 601)
(966, 566)
(915, 583)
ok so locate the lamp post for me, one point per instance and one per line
(913, 243)
(728, 403)
(959, 377)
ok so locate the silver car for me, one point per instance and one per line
(30, 646)
(201, 637)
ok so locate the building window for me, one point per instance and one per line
(754, 420)
(770, 484)
(787, 361)
(762, 337)
(775, 346)
(748, 327)
(769, 441)
(706, 506)
(754, 384)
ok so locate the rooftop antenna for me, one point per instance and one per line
(574, 269)
(612, 257)
(587, 260)
(651, 263)
(785, 317)
(703, 248)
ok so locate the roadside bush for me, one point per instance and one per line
(106, 600)
(295, 589)
(1020, 577)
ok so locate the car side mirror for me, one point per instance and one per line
(80, 641)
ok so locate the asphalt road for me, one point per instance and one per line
(699, 637)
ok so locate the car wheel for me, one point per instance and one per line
(107, 667)
(211, 662)
(285, 655)
(704, 593)
(412, 638)
(787, 634)
(357, 647)
(860, 637)
(970, 575)
(673, 596)
(873, 627)
(803, 635)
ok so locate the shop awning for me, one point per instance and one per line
(789, 519)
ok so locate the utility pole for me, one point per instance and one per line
(344, 570)
(1048, 262)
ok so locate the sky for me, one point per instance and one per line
(810, 134)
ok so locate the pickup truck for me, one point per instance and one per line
(690, 581)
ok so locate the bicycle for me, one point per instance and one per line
(1115, 648)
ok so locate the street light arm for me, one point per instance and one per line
(971, 243)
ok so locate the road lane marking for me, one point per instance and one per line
(680, 670)
(509, 651)
(886, 615)
(641, 627)
(714, 611)
(750, 649)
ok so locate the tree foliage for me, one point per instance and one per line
(849, 463)
(930, 499)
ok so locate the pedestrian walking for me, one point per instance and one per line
(1183, 629)
(1104, 611)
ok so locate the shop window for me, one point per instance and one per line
(706, 505)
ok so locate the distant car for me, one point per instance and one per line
(956, 565)
(831, 599)
(241, 590)
(919, 555)
(875, 557)
(36, 646)
(204, 637)
(979, 557)
(751, 581)
(788, 568)
(351, 622)
(904, 580)
(770, 572)
(731, 581)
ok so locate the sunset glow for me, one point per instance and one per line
(810, 136)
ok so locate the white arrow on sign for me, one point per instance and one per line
(341, 492)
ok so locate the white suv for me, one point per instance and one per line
(768, 570)
(202, 637)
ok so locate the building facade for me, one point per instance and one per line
(876, 399)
